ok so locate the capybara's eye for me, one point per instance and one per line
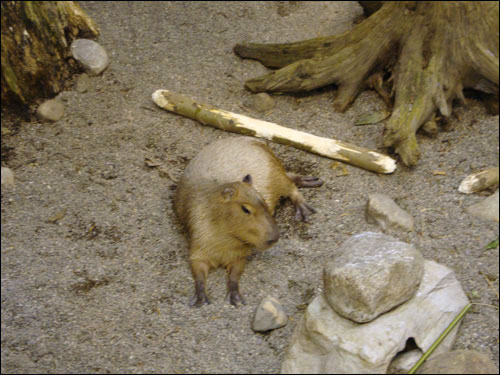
(245, 210)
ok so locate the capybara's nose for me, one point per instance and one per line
(274, 237)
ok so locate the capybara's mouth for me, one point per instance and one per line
(267, 244)
(263, 245)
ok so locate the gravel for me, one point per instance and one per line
(95, 275)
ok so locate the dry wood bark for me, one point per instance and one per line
(36, 36)
(430, 50)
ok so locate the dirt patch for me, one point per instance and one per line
(105, 286)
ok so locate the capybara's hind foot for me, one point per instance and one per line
(199, 299)
(305, 181)
(233, 289)
(234, 297)
(303, 211)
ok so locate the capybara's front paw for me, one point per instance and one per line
(199, 299)
(234, 297)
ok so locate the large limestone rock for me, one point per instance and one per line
(325, 342)
(370, 274)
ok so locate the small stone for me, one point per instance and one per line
(261, 102)
(269, 315)
(7, 176)
(459, 362)
(83, 83)
(382, 210)
(91, 55)
(371, 274)
(486, 209)
(51, 110)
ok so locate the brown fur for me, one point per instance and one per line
(226, 198)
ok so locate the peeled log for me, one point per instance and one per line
(233, 122)
(433, 51)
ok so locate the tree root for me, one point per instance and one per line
(433, 51)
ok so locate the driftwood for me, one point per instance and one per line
(228, 121)
(479, 181)
(429, 51)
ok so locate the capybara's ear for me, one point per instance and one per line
(228, 193)
(248, 179)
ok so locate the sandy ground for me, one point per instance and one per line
(95, 275)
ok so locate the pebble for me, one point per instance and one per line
(91, 55)
(7, 176)
(51, 110)
(83, 83)
(486, 209)
(382, 210)
(269, 315)
(261, 102)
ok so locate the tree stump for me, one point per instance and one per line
(36, 38)
(429, 51)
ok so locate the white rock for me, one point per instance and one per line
(7, 176)
(381, 209)
(91, 55)
(269, 315)
(325, 342)
(370, 274)
(486, 209)
(403, 362)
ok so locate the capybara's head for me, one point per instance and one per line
(245, 216)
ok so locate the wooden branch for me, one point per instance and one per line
(479, 181)
(228, 121)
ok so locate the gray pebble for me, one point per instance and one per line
(7, 176)
(83, 83)
(51, 110)
(269, 315)
(261, 102)
(486, 209)
(382, 210)
(91, 55)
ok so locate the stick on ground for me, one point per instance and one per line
(228, 121)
